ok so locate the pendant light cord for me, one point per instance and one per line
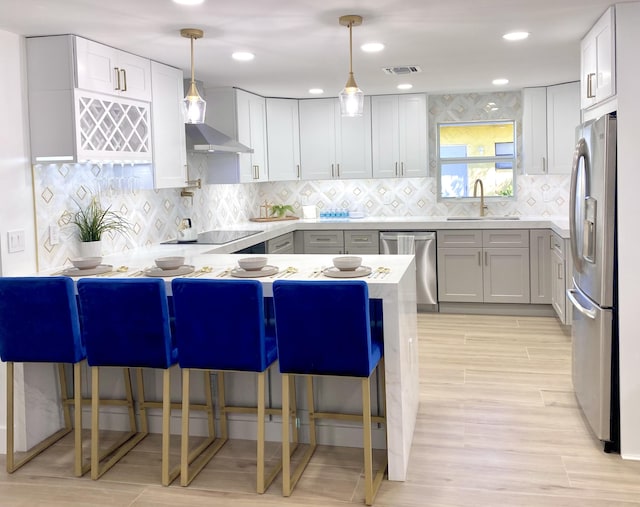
(350, 49)
(193, 79)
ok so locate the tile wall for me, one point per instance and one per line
(155, 214)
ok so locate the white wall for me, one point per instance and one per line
(16, 197)
(628, 77)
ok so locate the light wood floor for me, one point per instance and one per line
(498, 426)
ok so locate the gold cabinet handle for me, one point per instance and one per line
(124, 79)
(117, 71)
(591, 94)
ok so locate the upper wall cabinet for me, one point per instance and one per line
(333, 147)
(283, 139)
(104, 69)
(399, 132)
(549, 120)
(69, 124)
(598, 61)
(168, 133)
(240, 115)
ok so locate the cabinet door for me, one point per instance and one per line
(96, 66)
(168, 133)
(506, 275)
(283, 139)
(281, 245)
(135, 76)
(558, 295)
(412, 135)
(534, 130)
(317, 139)
(460, 274)
(563, 116)
(361, 242)
(353, 143)
(252, 130)
(540, 254)
(598, 73)
(385, 136)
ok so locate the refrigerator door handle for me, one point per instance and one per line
(581, 152)
(587, 312)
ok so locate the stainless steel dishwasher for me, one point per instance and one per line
(424, 246)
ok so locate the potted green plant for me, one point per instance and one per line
(92, 222)
(280, 210)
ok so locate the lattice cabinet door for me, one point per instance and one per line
(112, 128)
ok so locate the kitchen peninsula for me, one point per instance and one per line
(396, 290)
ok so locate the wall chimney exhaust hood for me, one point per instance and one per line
(204, 138)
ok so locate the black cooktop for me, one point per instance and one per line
(216, 237)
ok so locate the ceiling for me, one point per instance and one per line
(299, 44)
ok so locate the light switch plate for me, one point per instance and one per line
(15, 241)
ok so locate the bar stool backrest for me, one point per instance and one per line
(324, 328)
(39, 320)
(220, 324)
(125, 322)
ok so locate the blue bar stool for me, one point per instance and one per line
(324, 328)
(220, 325)
(125, 323)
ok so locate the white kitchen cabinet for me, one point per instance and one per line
(540, 257)
(104, 69)
(68, 124)
(240, 115)
(598, 61)
(167, 122)
(283, 139)
(490, 266)
(333, 147)
(399, 135)
(361, 242)
(283, 244)
(549, 120)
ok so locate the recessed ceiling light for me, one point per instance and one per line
(500, 81)
(405, 86)
(316, 91)
(372, 47)
(515, 35)
(189, 2)
(243, 56)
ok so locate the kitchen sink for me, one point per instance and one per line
(484, 218)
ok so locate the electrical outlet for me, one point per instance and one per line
(16, 241)
(54, 235)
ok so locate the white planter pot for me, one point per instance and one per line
(90, 249)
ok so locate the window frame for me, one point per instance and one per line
(496, 159)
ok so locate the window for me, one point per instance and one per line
(479, 150)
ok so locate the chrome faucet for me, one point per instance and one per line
(475, 194)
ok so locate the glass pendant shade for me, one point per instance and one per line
(351, 99)
(193, 106)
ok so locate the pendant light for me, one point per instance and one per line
(351, 97)
(193, 104)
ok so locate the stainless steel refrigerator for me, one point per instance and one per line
(592, 221)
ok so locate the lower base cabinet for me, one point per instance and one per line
(341, 242)
(561, 266)
(490, 266)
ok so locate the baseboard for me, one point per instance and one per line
(511, 309)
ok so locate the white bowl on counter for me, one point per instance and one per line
(252, 263)
(347, 262)
(86, 262)
(167, 263)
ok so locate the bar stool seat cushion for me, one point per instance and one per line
(306, 346)
(39, 325)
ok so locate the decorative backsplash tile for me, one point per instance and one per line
(155, 214)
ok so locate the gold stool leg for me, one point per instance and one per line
(261, 486)
(10, 417)
(79, 468)
(166, 426)
(286, 416)
(95, 424)
(368, 453)
(184, 448)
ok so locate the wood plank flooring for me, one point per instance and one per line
(498, 425)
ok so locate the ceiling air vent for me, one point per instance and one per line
(402, 70)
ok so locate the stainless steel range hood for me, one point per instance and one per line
(204, 138)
